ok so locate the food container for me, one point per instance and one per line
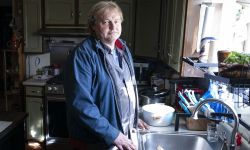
(158, 114)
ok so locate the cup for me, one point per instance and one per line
(212, 135)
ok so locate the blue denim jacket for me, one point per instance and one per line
(92, 112)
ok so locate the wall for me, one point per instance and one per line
(34, 62)
(5, 3)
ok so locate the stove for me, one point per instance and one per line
(56, 120)
(55, 86)
(55, 103)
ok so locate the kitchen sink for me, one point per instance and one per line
(166, 141)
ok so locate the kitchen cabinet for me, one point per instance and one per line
(128, 10)
(35, 108)
(147, 28)
(67, 12)
(171, 41)
(32, 23)
(59, 12)
(84, 7)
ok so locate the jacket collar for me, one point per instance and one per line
(118, 43)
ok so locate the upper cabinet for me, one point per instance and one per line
(59, 12)
(32, 23)
(159, 30)
(172, 32)
(67, 12)
(128, 11)
(83, 10)
(74, 13)
(147, 23)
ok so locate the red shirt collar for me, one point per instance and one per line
(119, 44)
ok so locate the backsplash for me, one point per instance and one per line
(36, 61)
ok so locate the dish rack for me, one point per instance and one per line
(239, 87)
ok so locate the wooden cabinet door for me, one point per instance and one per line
(84, 7)
(35, 126)
(59, 12)
(32, 23)
(147, 27)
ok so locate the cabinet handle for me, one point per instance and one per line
(80, 13)
(72, 14)
(41, 108)
(35, 91)
(175, 62)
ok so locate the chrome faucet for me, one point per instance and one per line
(232, 110)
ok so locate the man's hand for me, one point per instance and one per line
(142, 124)
(123, 143)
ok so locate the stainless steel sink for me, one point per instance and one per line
(155, 141)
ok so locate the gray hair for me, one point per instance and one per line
(100, 8)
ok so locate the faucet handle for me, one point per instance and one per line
(238, 139)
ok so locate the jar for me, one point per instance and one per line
(56, 69)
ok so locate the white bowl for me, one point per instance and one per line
(158, 114)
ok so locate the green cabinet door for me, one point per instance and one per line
(59, 12)
(32, 23)
(128, 23)
(84, 7)
(171, 41)
(178, 29)
(35, 127)
(147, 27)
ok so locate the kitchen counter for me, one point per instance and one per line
(12, 134)
(36, 82)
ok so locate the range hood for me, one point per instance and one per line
(62, 32)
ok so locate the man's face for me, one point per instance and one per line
(108, 26)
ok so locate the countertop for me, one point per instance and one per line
(13, 118)
(37, 81)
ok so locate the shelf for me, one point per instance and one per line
(77, 32)
(13, 73)
(10, 50)
(13, 91)
(194, 61)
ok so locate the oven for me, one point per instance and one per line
(55, 101)
(56, 120)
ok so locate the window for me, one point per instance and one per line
(227, 25)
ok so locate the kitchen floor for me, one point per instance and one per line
(33, 146)
(37, 146)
